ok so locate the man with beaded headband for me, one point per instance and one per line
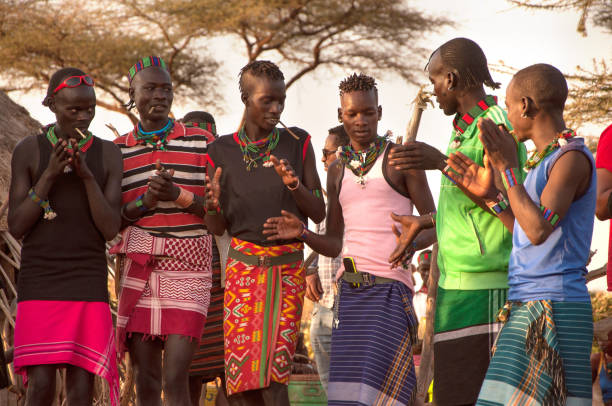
(259, 171)
(164, 255)
(375, 326)
(542, 353)
(64, 202)
(473, 244)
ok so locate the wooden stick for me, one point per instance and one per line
(9, 282)
(290, 132)
(4, 207)
(113, 129)
(6, 310)
(81, 133)
(151, 109)
(9, 259)
(420, 104)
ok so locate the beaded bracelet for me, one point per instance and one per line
(139, 202)
(185, 198)
(549, 215)
(500, 205)
(214, 212)
(510, 178)
(433, 217)
(50, 214)
(305, 231)
(317, 192)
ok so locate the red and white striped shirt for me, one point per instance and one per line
(186, 153)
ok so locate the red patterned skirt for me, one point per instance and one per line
(263, 307)
(165, 285)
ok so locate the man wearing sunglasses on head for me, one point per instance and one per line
(64, 201)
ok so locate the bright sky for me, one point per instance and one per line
(518, 37)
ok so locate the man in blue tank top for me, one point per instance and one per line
(542, 353)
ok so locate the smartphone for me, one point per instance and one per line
(349, 266)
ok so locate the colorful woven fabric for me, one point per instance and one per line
(465, 328)
(65, 332)
(371, 355)
(542, 356)
(208, 361)
(165, 285)
(144, 63)
(263, 307)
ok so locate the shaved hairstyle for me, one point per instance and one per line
(199, 117)
(340, 136)
(258, 69)
(468, 62)
(544, 84)
(355, 83)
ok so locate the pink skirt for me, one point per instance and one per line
(65, 332)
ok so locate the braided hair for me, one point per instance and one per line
(56, 79)
(358, 82)
(544, 84)
(340, 135)
(469, 62)
(258, 69)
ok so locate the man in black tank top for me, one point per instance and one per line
(64, 203)
(258, 172)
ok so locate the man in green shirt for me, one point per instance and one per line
(473, 244)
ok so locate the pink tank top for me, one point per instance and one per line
(368, 236)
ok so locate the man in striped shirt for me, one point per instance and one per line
(165, 251)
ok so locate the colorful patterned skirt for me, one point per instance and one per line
(542, 356)
(208, 361)
(165, 285)
(465, 330)
(264, 295)
(67, 332)
(371, 354)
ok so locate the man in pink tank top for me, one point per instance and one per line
(374, 325)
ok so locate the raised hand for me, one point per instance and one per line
(284, 169)
(411, 226)
(162, 186)
(499, 144)
(60, 157)
(477, 180)
(213, 190)
(286, 227)
(79, 162)
(415, 155)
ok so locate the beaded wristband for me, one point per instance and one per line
(185, 198)
(297, 185)
(139, 202)
(305, 231)
(433, 217)
(510, 178)
(550, 216)
(316, 192)
(499, 206)
(213, 212)
(44, 204)
(446, 171)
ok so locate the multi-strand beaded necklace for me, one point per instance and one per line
(559, 141)
(84, 143)
(358, 161)
(253, 151)
(158, 138)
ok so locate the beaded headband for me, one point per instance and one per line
(423, 256)
(148, 62)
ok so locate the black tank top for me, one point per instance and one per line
(249, 198)
(64, 258)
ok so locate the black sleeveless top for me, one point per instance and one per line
(249, 198)
(64, 258)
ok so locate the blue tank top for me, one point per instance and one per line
(554, 270)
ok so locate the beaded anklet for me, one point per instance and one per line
(511, 177)
(550, 216)
(49, 213)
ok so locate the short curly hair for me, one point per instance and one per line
(258, 69)
(357, 82)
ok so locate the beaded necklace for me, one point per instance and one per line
(158, 138)
(462, 123)
(358, 161)
(210, 127)
(253, 151)
(84, 143)
(559, 141)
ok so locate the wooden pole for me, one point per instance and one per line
(420, 104)
(427, 360)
